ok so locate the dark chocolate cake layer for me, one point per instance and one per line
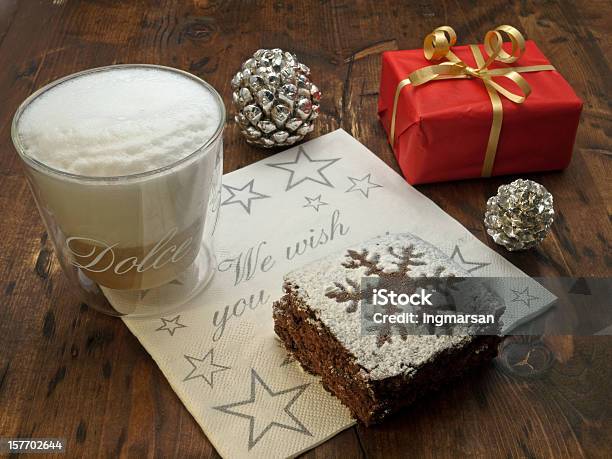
(318, 320)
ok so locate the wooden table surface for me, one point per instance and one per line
(67, 371)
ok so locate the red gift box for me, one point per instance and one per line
(442, 127)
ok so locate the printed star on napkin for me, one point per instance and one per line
(288, 359)
(243, 196)
(315, 203)
(171, 325)
(363, 184)
(204, 368)
(523, 296)
(457, 257)
(277, 412)
(304, 168)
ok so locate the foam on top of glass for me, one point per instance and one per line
(120, 121)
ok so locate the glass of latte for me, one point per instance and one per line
(125, 166)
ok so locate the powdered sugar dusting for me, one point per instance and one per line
(343, 319)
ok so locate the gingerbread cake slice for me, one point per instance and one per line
(318, 319)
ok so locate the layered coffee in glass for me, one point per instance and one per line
(125, 165)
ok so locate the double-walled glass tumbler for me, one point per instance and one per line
(138, 244)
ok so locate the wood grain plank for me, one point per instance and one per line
(74, 362)
(61, 362)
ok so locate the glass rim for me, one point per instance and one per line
(35, 163)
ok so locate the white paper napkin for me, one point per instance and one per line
(220, 354)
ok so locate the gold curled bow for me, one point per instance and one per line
(437, 45)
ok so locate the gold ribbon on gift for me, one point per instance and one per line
(437, 45)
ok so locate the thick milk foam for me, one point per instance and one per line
(126, 234)
(120, 121)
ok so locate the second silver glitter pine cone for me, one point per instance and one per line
(275, 99)
(520, 215)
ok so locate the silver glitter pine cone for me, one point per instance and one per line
(275, 99)
(520, 215)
